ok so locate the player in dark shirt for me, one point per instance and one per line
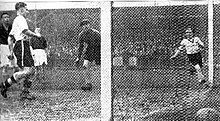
(5, 28)
(90, 48)
(38, 43)
(39, 54)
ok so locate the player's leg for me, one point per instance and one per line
(87, 85)
(192, 69)
(24, 61)
(200, 63)
(40, 60)
(37, 75)
(197, 62)
(5, 62)
(43, 69)
(4, 70)
(16, 77)
(44, 63)
(199, 74)
(28, 63)
(95, 56)
(27, 83)
(35, 58)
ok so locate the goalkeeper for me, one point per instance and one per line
(92, 39)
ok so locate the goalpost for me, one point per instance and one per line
(106, 97)
(210, 40)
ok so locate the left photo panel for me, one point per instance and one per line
(50, 61)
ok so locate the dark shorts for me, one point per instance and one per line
(195, 59)
(93, 54)
(26, 60)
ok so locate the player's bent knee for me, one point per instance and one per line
(28, 71)
(18, 75)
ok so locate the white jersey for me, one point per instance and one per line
(18, 26)
(192, 45)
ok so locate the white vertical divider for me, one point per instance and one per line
(106, 61)
(210, 40)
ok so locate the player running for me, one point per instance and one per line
(192, 46)
(21, 33)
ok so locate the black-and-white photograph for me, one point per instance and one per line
(152, 60)
(165, 61)
(50, 61)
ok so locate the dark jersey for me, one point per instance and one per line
(38, 43)
(93, 40)
(4, 34)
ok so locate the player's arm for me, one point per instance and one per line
(201, 44)
(30, 33)
(10, 43)
(177, 51)
(23, 26)
(80, 50)
(81, 39)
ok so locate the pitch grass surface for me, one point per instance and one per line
(58, 98)
(163, 104)
(63, 101)
(52, 105)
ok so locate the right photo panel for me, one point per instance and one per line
(165, 61)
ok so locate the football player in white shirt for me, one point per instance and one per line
(192, 46)
(21, 33)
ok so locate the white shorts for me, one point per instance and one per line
(39, 56)
(4, 53)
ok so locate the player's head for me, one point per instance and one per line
(85, 24)
(5, 17)
(189, 33)
(21, 8)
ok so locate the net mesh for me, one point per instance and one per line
(153, 32)
(216, 41)
(146, 82)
